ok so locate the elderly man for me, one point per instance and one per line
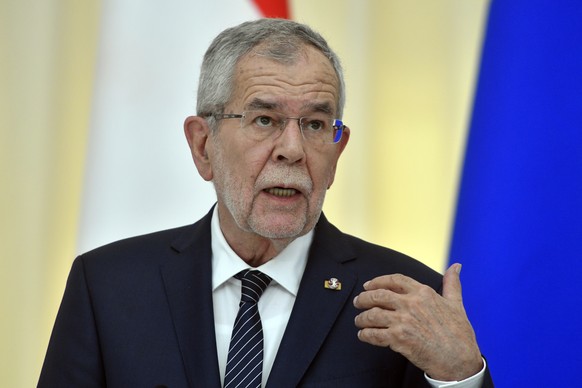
(262, 291)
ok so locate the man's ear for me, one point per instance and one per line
(344, 139)
(198, 135)
(341, 146)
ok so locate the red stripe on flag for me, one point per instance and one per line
(273, 8)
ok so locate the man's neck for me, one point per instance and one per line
(253, 248)
(256, 250)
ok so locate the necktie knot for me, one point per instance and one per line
(254, 284)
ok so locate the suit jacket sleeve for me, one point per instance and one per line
(74, 358)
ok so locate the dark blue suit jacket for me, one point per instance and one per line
(138, 313)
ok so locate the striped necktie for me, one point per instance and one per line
(244, 366)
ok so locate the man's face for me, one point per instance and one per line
(275, 188)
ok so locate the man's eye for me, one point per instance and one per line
(315, 125)
(264, 121)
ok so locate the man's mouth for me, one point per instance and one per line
(281, 192)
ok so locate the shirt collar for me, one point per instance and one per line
(285, 269)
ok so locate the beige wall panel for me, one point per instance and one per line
(46, 72)
(410, 67)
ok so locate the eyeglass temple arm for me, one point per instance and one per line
(338, 126)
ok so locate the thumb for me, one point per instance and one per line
(452, 283)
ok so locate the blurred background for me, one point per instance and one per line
(92, 100)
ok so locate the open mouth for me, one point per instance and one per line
(281, 192)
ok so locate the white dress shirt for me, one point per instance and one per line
(275, 304)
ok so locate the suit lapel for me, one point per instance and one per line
(316, 308)
(188, 283)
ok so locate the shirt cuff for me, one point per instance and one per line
(475, 381)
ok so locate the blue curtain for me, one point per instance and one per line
(518, 227)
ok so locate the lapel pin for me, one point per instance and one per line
(333, 284)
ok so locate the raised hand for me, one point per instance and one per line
(430, 330)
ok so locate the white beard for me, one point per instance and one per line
(240, 199)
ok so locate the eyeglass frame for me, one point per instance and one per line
(336, 124)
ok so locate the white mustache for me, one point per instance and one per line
(285, 177)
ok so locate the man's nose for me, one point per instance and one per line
(289, 146)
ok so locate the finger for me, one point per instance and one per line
(374, 318)
(375, 336)
(395, 282)
(382, 298)
(452, 289)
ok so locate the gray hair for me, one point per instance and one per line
(280, 39)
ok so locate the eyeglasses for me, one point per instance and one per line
(317, 128)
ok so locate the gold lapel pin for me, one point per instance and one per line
(332, 284)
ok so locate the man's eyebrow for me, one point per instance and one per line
(258, 104)
(323, 107)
